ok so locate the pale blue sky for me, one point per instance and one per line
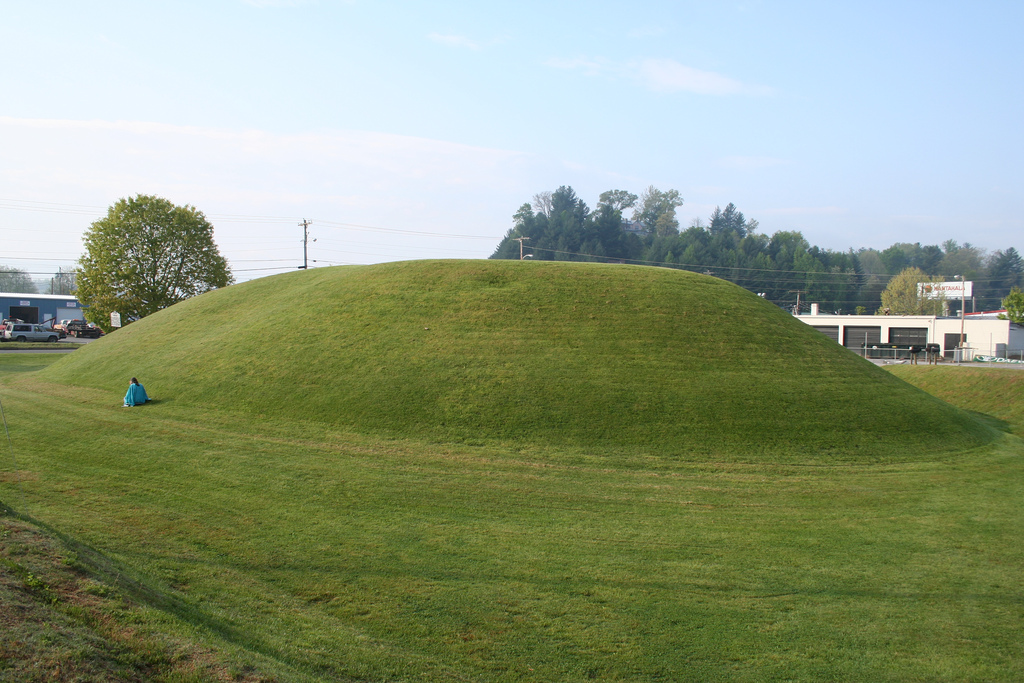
(428, 124)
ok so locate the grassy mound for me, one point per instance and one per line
(995, 392)
(599, 357)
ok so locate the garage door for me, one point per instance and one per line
(70, 314)
(857, 337)
(830, 331)
(28, 314)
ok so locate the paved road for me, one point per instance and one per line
(63, 346)
(949, 364)
(42, 349)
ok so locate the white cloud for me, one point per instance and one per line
(668, 75)
(158, 149)
(420, 186)
(454, 41)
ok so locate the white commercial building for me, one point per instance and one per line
(891, 336)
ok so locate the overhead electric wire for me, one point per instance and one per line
(769, 278)
(45, 207)
(251, 270)
(35, 258)
(357, 226)
(79, 209)
(688, 266)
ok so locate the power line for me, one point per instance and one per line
(79, 209)
(735, 273)
(814, 273)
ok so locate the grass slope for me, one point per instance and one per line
(997, 393)
(312, 554)
(606, 358)
(59, 624)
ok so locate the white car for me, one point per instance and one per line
(22, 332)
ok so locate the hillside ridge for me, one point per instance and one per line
(599, 357)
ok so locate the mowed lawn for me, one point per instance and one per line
(997, 392)
(315, 554)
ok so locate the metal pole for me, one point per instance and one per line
(963, 310)
(305, 242)
(963, 305)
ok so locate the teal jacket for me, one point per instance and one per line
(136, 395)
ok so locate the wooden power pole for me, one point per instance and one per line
(520, 240)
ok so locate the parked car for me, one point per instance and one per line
(22, 332)
(80, 328)
(4, 324)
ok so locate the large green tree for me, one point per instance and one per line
(657, 211)
(617, 200)
(903, 296)
(145, 255)
(1014, 305)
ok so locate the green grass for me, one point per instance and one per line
(611, 359)
(59, 624)
(26, 362)
(324, 555)
(998, 393)
(311, 541)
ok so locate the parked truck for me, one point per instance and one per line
(82, 329)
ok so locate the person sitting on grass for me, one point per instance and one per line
(136, 394)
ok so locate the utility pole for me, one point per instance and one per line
(796, 311)
(520, 240)
(963, 308)
(305, 242)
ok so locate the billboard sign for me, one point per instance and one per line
(945, 290)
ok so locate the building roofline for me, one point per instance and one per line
(25, 295)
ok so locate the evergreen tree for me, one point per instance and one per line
(560, 226)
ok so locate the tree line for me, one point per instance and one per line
(559, 226)
(18, 280)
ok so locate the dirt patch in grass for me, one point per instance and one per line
(59, 624)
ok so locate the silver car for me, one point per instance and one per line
(21, 332)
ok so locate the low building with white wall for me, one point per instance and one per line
(882, 336)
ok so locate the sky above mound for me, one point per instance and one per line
(415, 130)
